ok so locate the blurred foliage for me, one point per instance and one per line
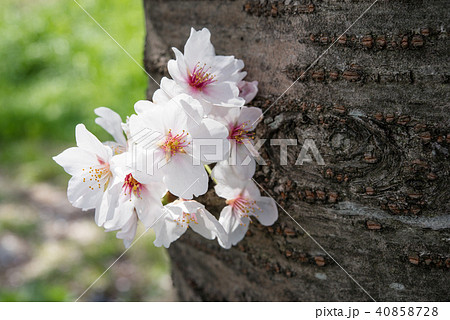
(57, 67)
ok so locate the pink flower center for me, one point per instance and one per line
(98, 176)
(239, 133)
(131, 186)
(243, 208)
(200, 77)
(175, 143)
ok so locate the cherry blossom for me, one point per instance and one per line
(244, 201)
(89, 166)
(182, 214)
(240, 122)
(199, 72)
(130, 201)
(175, 124)
(196, 118)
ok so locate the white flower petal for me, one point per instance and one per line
(235, 228)
(227, 219)
(122, 213)
(210, 141)
(244, 171)
(112, 123)
(251, 116)
(198, 47)
(229, 184)
(225, 115)
(226, 68)
(142, 106)
(167, 230)
(251, 190)
(178, 69)
(238, 233)
(267, 213)
(110, 200)
(128, 231)
(210, 129)
(74, 160)
(149, 165)
(248, 90)
(89, 142)
(237, 75)
(147, 129)
(173, 115)
(223, 94)
(208, 226)
(191, 107)
(184, 179)
(168, 90)
(149, 207)
(226, 192)
(80, 195)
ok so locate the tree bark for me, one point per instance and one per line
(376, 105)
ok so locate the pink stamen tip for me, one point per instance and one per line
(200, 77)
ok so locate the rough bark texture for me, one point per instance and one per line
(377, 107)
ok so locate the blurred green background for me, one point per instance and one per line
(56, 67)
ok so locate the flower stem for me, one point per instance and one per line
(168, 198)
(208, 169)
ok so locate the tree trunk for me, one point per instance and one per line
(376, 105)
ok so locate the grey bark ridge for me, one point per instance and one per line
(377, 108)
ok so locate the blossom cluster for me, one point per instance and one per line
(205, 101)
